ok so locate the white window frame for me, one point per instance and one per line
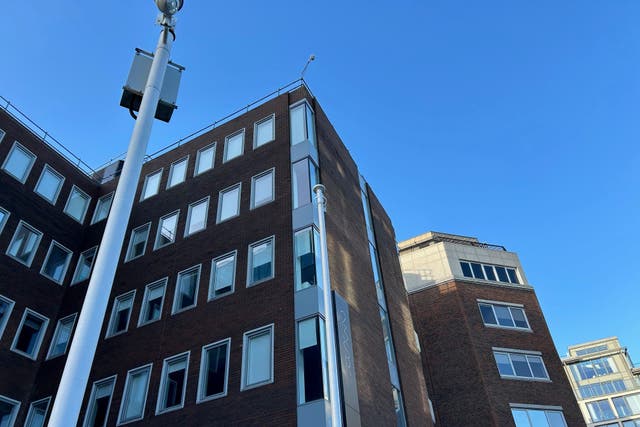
(99, 203)
(272, 173)
(184, 160)
(146, 182)
(203, 371)
(74, 279)
(212, 276)
(204, 200)
(3, 322)
(54, 172)
(105, 381)
(43, 331)
(250, 261)
(225, 159)
(86, 206)
(14, 411)
(5, 218)
(17, 146)
(125, 393)
(272, 119)
(56, 334)
(66, 264)
(508, 305)
(156, 243)
(245, 341)
(114, 305)
(511, 351)
(128, 256)
(221, 198)
(174, 308)
(211, 147)
(304, 104)
(162, 283)
(33, 230)
(545, 408)
(29, 420)
(163, 382)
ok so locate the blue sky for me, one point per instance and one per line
(516, 122)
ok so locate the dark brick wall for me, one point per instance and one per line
(457, 353)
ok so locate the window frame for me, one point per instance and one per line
(4, 219)
(162, 283)
(77, 189)
(56, 334)
(509, 352)
(3, 322)
(306, 108)
(74, 278)
(184, 160)
(156, 244)
(125, 394)
(174, 309)
(66, 264)
(48, 168)
(163, 382)
(538, 408)
(297, 269)
(29, 419)
(319, 329)
(2, 134)
(146, 183)
(200, 398)
(212, 147)
(254, 179)
(509, 306)
(212, 277)
(245, 340)
(92, 398)
(225, 158)
(101, 200)
(270, 118)
(250, 281)
(36, 245)
(204, 200)
(14, 411)
(114, 305)
(221, 194)
(17, 146)
(128, 256)
(41, 334)
(495, 272)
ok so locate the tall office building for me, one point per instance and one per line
(605, 382)
(487, 353)
(216, 315)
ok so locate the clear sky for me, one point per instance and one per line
(515, 122)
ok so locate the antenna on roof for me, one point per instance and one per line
(312, 57)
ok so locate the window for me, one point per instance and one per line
(398, 405)
(257, 357)
(307, 261)
(591, 350)
(494, 273)
(229, 202)
(49, 184)
(600, 410)
(312, 361)
(102, 208)
(138, 242)
(526, 417)
(151, 185)
(627, 405)
(4, 216)
(2, 134)
(260, 261)
(99, 403)
(120, 314)
(205, 159)
(173, 383)
(56, 262)
(233, 146)
(62, 336)
(264, 131)
(8, 411)
(214, 370)
(631, 423)
(85, 265)
(178, 172)
(30, 334)
(520, 365)
(187, 285)
(598, 389)
(197, 217)
(19, 162)
(594, 368)
(152, 302)
(305, 177)
(302, 124)
(262, 188)
(24, 243)
(6, 306)
(504, 315)
(77, 204)
(167, 228)
(134, 397)
(223, 275)
(37, 413)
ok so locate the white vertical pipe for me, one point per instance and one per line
(334, 389)
(68, 400)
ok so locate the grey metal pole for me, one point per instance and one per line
(68, 400)
(332, 352)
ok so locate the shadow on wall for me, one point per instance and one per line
(418, 279)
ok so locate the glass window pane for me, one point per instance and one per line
(538, 418)
(49, 184)
(153, 302)
(229, 203)
(61, 336)
(197, 217)
(100, 400)
(262, 191)
(504, 315)
(178, 172)
(173, 382)
(56, 263)
(504, 365)
(264, 132)
(520, 417)
(102, 208)
(488, 271)
(487, 314)
(187, 289)
(298, 125)
(520, 365)
(24, 244)
(85, 265)
(36, 415)
(138, 242)
(205, 159)
(477, 270)
(223, 275)
(260, 267)
(556, 419)
(258, 358)
(512, 275)
(167, 228)
(466, 269)
(19, 162)
(214, 371)
(518, 317)
(307, 258)
(29, 336)
(502, 274)
(537, 367)
(77, 204)
(310, 125)
(234, 146)
(301, 183)
(135, 395)
(151, 185)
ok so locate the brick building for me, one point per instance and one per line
(487, 353)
